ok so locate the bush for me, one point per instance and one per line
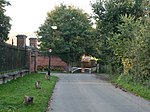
(129, 83)
(45, 68)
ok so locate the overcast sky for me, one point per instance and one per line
(28, 15)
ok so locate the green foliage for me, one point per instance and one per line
(126, 82)
(123, 29)
(71, 35)
(12, 94)
(115, 40)
(132, 43)
(141, 55)
(121, 42)
(4, 21)
(53, 69)
(107, 16)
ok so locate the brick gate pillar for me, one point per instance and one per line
(32, 59)
(32, 55)
(21, 40)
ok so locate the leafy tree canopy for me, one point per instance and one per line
(4, 21)
(72, 35)
(108, 15)
(108, 12)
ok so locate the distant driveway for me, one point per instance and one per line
(85, 93)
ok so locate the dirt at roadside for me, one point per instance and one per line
(102, 76)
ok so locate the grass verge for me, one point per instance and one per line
(137, 89)
(12, 94)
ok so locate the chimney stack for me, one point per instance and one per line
(33, 42)
(21, 40)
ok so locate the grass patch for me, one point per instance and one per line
(135, 88)
(12, 94)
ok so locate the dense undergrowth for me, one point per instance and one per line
(128, 84)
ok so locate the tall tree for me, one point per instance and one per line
(4, 21)
(72, 34)
(107, 14)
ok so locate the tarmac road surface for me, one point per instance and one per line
(86, 93)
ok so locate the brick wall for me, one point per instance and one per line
(55, 61)
(34, 59)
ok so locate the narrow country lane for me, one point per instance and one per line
(85, 93)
